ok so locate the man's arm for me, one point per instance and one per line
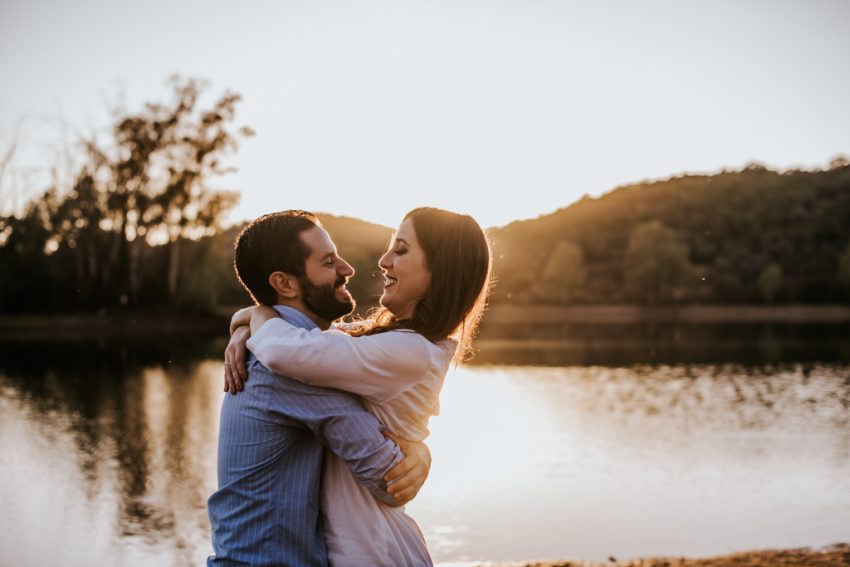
(341, 423)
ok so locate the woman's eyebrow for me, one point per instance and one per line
(402, 241)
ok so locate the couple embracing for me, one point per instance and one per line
(321, 443)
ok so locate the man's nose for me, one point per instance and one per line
(345, 269)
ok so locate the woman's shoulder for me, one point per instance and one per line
(441, 352)
(409, 337)
(443, 343)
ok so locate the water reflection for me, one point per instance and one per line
(107, 453)
(137, 422)
(576, 344)
(646, 460)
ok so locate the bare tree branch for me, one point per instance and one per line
(8, 156)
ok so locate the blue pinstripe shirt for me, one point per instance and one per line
(270, 446)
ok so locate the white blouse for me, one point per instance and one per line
(399, 375)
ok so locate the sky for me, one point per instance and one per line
(504, 109)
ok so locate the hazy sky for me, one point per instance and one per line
(504, 109)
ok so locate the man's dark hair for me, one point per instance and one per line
(271, 243)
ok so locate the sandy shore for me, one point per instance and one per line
(832, 556)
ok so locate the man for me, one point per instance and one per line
(272, 435)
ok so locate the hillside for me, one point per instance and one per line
(749, 236)
(746, 236)
(729, 229)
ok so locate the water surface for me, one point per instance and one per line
(107, 451)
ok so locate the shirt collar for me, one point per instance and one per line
(297, 318)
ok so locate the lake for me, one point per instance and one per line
(579, 443)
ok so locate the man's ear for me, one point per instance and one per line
(285, 285)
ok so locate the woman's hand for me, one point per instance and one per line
(241, 325)
(406, 478)
(235, 372)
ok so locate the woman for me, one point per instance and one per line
(436, 274)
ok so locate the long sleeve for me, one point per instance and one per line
(377, 367)
(341, 423)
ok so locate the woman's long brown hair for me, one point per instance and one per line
(458, 256)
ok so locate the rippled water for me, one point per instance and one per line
(107, 456)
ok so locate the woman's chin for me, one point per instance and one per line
(387, 303)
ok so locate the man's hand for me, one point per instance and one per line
(406, 478)
(235, 372)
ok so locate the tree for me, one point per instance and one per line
(114, 237)
(563, 274)
(838, 162)
(25, 274)
(770, 282)
(657, 265)
(158, 173)
(76, 232)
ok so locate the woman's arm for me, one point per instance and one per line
(377, 367)
(236, 353)
(242, 318)
(259, 316)
(235, 370)
(235, 360)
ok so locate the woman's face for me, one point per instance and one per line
(406, 273)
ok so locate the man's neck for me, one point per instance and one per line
(299, 305)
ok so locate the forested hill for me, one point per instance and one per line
(750, 236)
(745, 236)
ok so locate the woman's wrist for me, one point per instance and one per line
(259, 316)
(241, 318)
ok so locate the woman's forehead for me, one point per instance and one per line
(405, 231)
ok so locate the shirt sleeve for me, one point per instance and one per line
(342, 424)
(377, 367)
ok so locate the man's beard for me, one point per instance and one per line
(322, 300)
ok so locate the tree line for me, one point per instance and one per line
(141, 228)
(134, 229)
(748, 236)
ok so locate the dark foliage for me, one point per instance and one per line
(735, 227)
